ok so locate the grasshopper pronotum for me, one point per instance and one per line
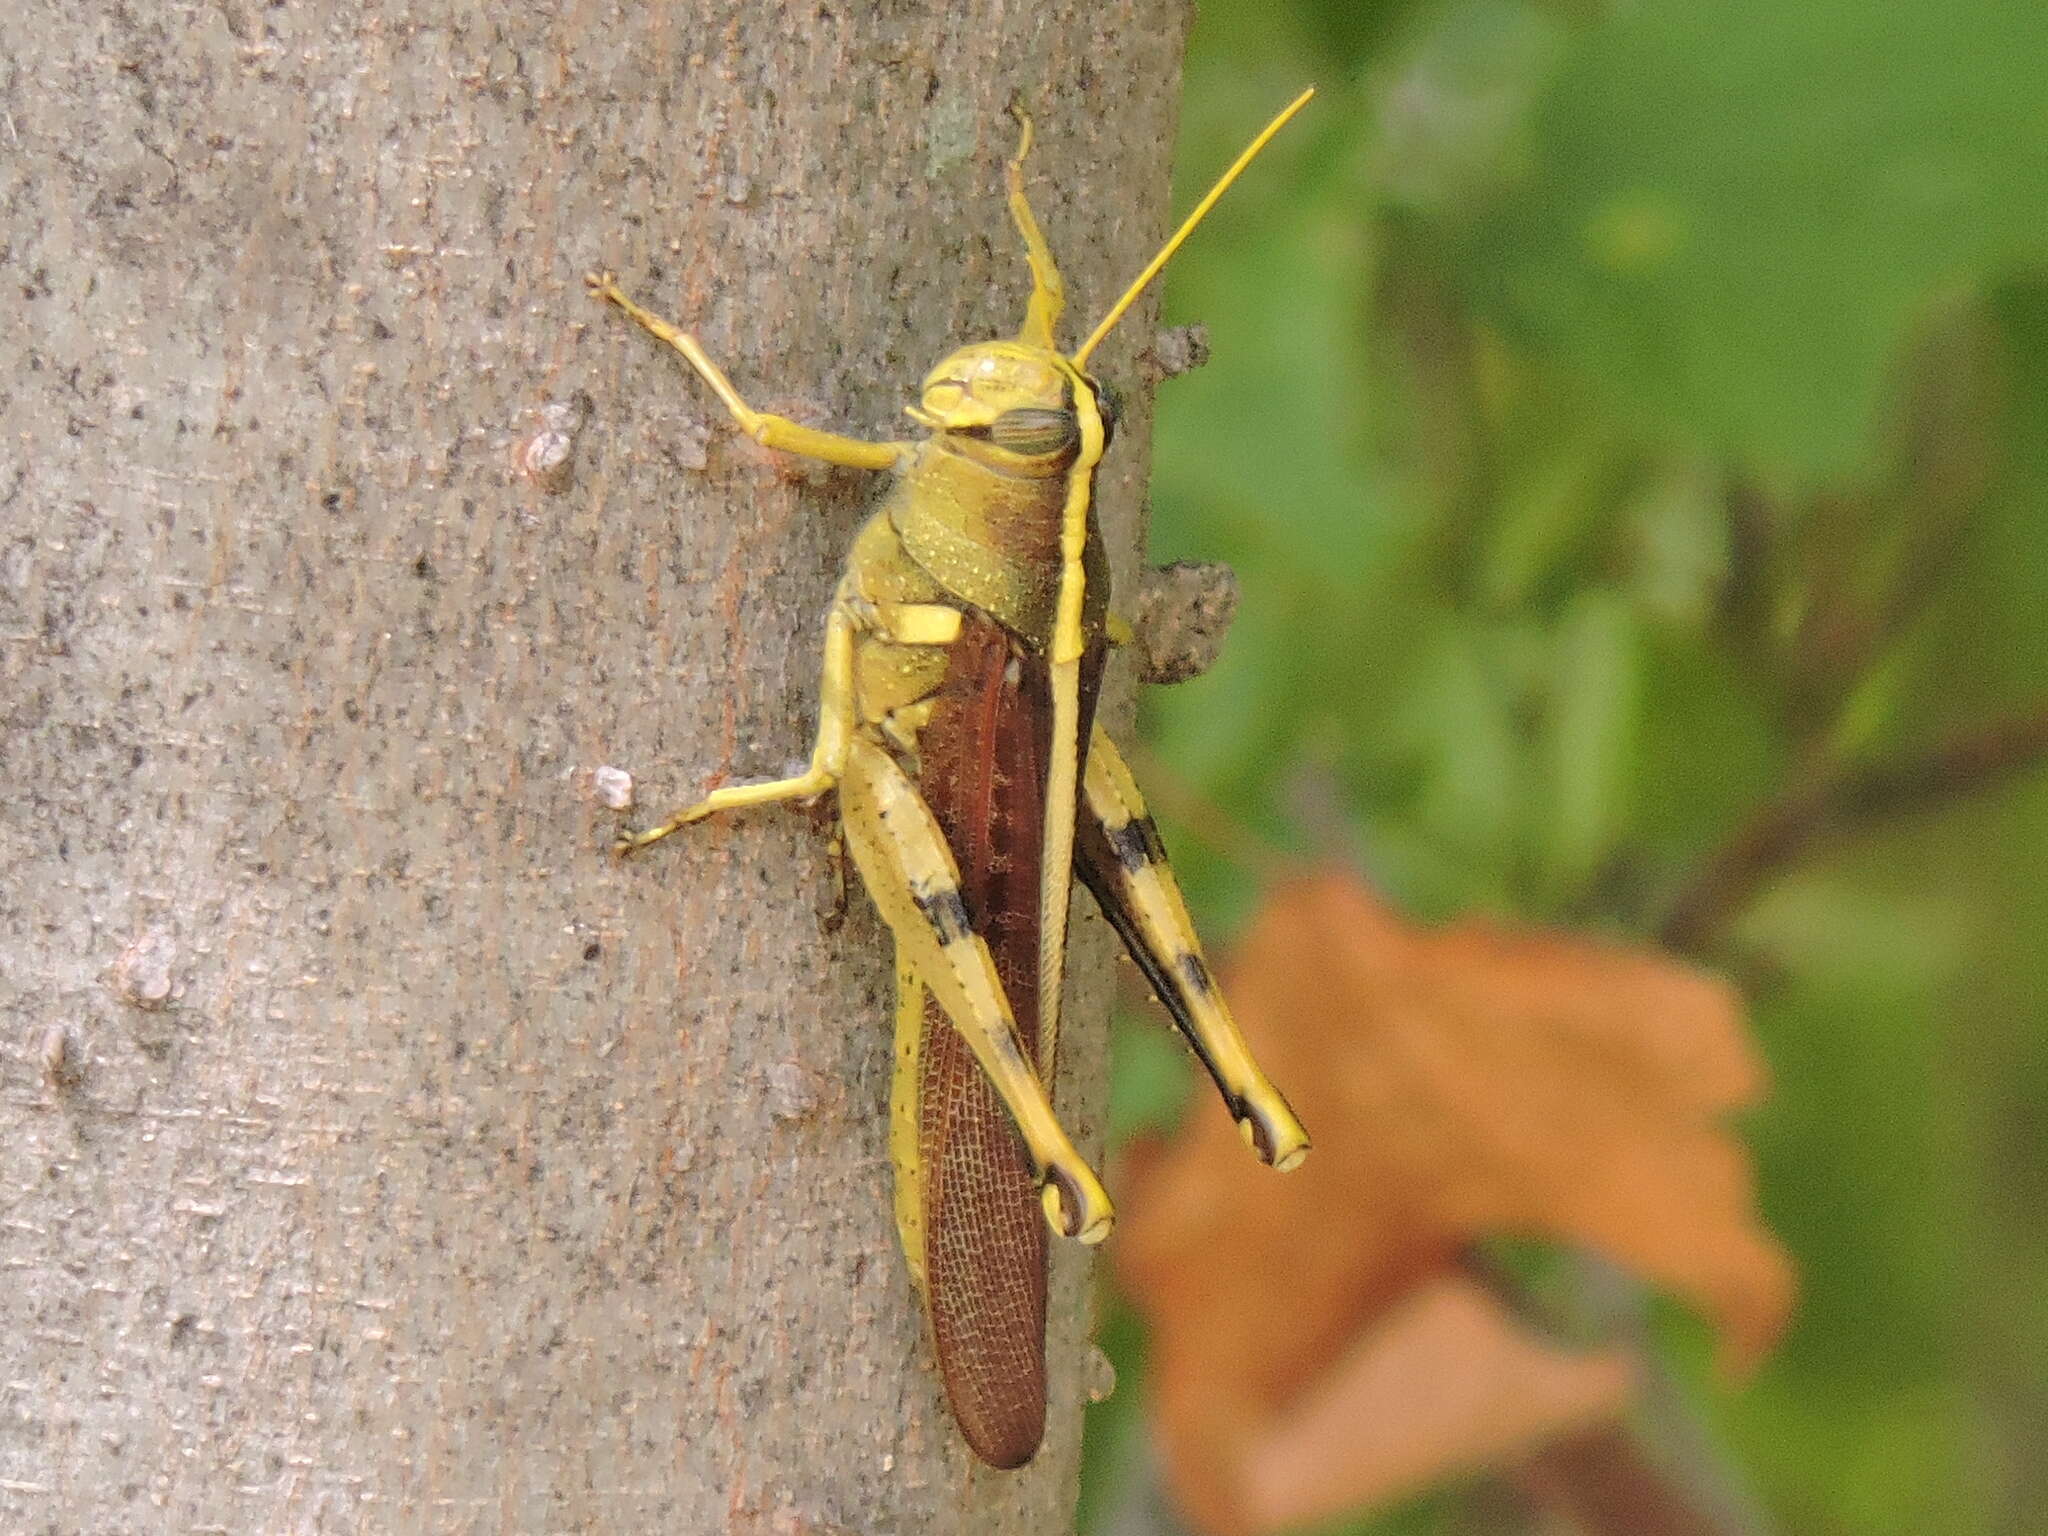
(963, 650)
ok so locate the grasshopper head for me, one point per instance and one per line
(1009, 397)
(978, 385)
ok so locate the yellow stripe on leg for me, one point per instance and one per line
(905, 1151)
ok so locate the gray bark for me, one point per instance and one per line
(377, 1154)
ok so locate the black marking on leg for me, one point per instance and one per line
(1265, 1129)
(1136, 844)
(1258, 1125)
(1194, 973)
(946, 910)
(1070, 1200)
(1091, 861)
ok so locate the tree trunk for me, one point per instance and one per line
(378, 1154)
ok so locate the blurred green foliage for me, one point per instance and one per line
(1631, 427)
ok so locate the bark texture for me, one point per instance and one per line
(377, 1154)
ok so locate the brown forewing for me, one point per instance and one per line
(982, 769)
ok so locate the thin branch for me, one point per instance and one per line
(1606, 1483)
(1842, 802)
(1656, 1472)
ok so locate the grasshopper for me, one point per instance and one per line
(963, 652)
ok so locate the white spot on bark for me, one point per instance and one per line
(612, 788)
(61, 1063)
(1101, 1380)
(547, 455)
(142, 974)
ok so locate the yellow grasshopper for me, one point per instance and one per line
(963, 651)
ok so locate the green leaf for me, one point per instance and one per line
(1590, 737)
(1736, 210)
(1457, 722)
(1549, 507)
(1676, 528)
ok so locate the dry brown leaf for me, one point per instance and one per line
(1459, 1083)
(1447, 1382)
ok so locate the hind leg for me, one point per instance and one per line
(911, 874)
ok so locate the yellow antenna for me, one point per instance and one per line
(1187, 227)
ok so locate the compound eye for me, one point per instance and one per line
(1034, 431)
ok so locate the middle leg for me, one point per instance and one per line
(828, 753)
